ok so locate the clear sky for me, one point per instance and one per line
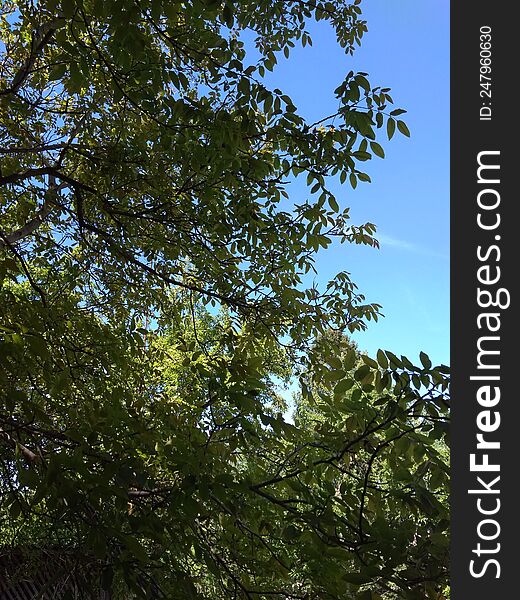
(406, 48)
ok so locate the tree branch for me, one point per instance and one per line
(40, 39)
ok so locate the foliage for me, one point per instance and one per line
(387, 421)
(153, 291)
(138, 132)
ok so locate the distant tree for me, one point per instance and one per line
(152, 275)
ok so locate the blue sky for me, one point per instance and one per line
(406, 48)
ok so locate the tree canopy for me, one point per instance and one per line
(154, 298)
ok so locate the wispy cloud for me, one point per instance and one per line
(387, 240)
(418, 306)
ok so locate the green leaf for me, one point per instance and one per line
(58, 72)
(333, 203)
(227, 14)
(382, 359)
(244, 86)
(363, 82)
(369, 361)
(425, 360)
(403, 128)
(390, 128)
(377, 149)
(394, 359)
(363, 156)
(362, 372)
(333, 375)
(334, 362)
(343, 386)
(350, 360)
